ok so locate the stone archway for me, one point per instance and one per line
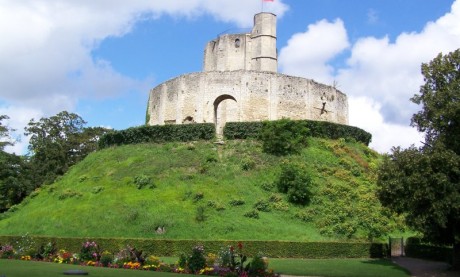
(225, 110)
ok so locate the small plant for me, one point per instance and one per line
(25, 246)
(267, 186)
(97, 189)
(89, 251)
(106, 259)
(197, 260)
(200, 215)
(263, 206)
(182, 260)
(142, 181)
(247, 164)
(252, 214)
(47, 250)
(258, 266)
(6, 251)
(198, 196)
(68, 193)
(237, 202)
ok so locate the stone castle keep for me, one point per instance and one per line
(240, 82)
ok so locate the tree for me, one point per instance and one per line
(424, 183)
(14, 182)
(440, 115)
(5, 138)
(58, 142)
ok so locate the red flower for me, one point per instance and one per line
(240, 245)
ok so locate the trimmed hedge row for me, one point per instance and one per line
(323, 129)
(163, 133)
(429, 252)
(274, 249)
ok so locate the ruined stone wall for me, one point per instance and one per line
(251, 51)
(219, 97)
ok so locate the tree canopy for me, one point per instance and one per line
(424, 183)
(58, 142)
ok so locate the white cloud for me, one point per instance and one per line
(384, 73)
(365, 113)
(45, 50)
(307, 54)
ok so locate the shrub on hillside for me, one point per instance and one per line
(296, 182)
(284, 137)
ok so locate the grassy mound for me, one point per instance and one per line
(202, 190)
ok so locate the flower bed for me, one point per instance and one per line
(230, 261)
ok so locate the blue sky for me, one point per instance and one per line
(99, 58)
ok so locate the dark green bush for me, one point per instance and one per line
(158, 134)
(296, 182)
(252, 214)
(263, 206)
(322, 129)
(236, 202)
(429, 252)
(284, 137)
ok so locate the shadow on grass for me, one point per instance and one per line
(388, 264)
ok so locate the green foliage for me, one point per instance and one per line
(69, 193)
(296, 182)
(252, 214)
(320, 129)
(163, 213)
(169, 248)
(428, 252)
(197, 260)
(248, 163)
(15, 184)
(237, 202)
(158, 134)
(106, 258)
(423, 185)
(258, 265)
(284, 137)
(5, 136)
(142, 181)
(58, 142)
(263, 205)
(439, 117)
(97, 189)
(200, 214)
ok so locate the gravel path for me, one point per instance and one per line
(424, 268)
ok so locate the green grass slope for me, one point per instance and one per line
(194, 190)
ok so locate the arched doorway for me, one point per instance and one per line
(225, 110)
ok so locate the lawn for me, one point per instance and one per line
(319, 267)
(338, 267)
(18, 268)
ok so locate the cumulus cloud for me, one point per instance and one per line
(385, 74)
(307, 54)
(46, 45)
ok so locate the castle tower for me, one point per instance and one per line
(263, 36)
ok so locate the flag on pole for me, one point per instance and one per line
(268, 0)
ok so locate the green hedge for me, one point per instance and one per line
(429, 252)
(323, 129)
(163, 133)
(274, 249)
